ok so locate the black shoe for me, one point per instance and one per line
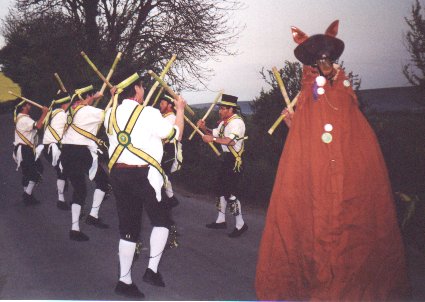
(173, 201)
(78, 236)
(29, 199)
(63, 205)
(215, 225)
(97, 222)
(128, 290)
(153, 278)
(237, 233)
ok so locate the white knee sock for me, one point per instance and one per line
(126, 251)
(169, 190)
(75, 213)
(98, 196)
(158, 241)
(239, 219)
(30, 187)
(222, 212)
(61, 187)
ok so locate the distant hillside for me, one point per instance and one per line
(394, 99)
(245, 106)
(382, 99)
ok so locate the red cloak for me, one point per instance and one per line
(331, 231)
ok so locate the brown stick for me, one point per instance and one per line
(162, 75)
(169, 90)
(208, 111)
(99, 74)
(27, 100)
(61, 85)
(202, 134)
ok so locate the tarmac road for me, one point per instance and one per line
(38, 261)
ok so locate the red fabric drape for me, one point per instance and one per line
(331, 232)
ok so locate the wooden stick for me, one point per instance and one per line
(282, 89)
(80, 91)
(121, 86)
(162, 75)
(202, 134)
(99, 74)
(111, 71)
(169, 90)
(282, 116)
(61, 85)
(108, 77)
(208, 111)
(26, 100)
(157, 96)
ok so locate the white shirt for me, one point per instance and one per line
(147, 134)
(234, 129)
(26, 126)
(88, 118)
(171, 118)
(58, 124)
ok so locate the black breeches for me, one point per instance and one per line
(31, 169)
(76, 161)
(228, 179)
(48, 157)
(168, 158)
(133, 192)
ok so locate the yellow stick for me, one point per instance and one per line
(99, 74)
(61, 85)
(157, 96)
(201, 134)
(111, 71)
(80, 91)
(121, 86)
(108, 77)
(208, 111)
(169, 90)
(26, 100)
(282, 89)
(282, 116)
(162, 75)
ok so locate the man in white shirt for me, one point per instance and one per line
(135, 149)
(24, 151)
(79, 157)
(53, 133)
(230, 133)
(166, 107)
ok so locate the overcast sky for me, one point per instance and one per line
(371, 29)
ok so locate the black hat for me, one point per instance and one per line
(228, 100)
(311, 49)
(168, 99)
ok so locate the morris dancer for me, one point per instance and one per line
(51, 147)
(230, 134)
(170, 163)
(24, 151)
(135, 150)
(79, 157)
(331, 232)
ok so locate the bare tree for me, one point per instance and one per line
(415, 44)
(148, 32)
